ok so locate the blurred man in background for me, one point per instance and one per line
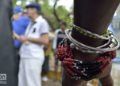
(31, 51)
(59, 36)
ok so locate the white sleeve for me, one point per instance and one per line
(44, 27)
(55, 40)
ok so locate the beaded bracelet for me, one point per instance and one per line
(79, 69)
(91, 34)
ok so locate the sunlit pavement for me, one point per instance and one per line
(116, 74)
(116, 70)
(51, 82)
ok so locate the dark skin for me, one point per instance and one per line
(95, 16)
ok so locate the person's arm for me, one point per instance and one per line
(94, 16)
(44, 39)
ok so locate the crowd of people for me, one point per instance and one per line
(31, 42)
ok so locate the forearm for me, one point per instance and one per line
(39, 40)
(93, 15)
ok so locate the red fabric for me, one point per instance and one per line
(64, 54)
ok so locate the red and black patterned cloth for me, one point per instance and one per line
(77, 69)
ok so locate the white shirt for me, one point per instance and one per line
(35, 30)
(57, 36)
(54, 46)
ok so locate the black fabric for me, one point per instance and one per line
(45, 67)
(60, 36)
(17, 59)
(8, 64)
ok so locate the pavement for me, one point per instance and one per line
(51, 82)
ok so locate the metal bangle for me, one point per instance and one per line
(68, 33)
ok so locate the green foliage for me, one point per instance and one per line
(61, 11)
(47, 11)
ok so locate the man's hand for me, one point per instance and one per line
(23, 39)
(15, 35)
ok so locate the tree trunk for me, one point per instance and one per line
(8, 60)
(55, 12)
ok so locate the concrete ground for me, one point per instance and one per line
(52, 83)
